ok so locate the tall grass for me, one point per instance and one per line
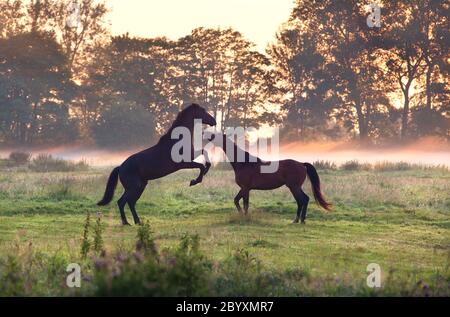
(354, 165)
(63, 189)
(186, 270)
(385, 166)
(18, 158)
(325, 165)
(47, 163)
(405, 166)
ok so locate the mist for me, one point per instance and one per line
(425, 151)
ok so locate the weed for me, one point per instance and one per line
(86, 243)
(44, 163)
(18, 158)
(98, 231)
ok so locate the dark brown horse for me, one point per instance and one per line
(291, 173)
(154, 163)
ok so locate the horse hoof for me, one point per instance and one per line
(303, 222)
(125, 224)
(295, 221)
(193, 183)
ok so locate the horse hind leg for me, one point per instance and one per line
(133, 196)
(236, 201)
(305, 201)
(246, 201)
(121, 203)
(297, 193)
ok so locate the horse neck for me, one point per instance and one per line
(232, 156)
(168, 135)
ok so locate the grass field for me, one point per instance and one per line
(397, 219)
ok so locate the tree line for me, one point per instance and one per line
(326, 75)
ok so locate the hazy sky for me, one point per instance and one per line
(257, 20)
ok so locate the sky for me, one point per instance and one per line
(257, 20)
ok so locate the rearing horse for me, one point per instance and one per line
(154, 163)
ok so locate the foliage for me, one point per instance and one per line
(86, 243)
(354, 165)
(123, 124)
(327, 75)
(98, 231)
(44, 163)
(145, 242)
(405, 209)
(325, 165)
(19, 158)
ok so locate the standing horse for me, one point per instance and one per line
(154, 163)
(291, 173)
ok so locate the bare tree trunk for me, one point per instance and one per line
(362, 128)
(428, 86)
(405, 115)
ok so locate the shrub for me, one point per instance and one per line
(18, 158)
(47, 163)
(62, 190)
(325, 165)
(405, 166)
(86, 243)
(13, 283)
(354, 165)
(98, 231)
(180, 272)
(145, 242)
(186, 271)
(392, 166)
(4, 163)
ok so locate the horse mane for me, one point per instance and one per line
(182, 114)
(247, 154)
(179, 119)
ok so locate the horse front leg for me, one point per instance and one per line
(193, 165)
(199, 153)
(207, 162)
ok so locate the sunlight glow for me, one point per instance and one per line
(257, 20)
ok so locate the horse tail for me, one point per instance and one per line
(110, 188)
(315, 184)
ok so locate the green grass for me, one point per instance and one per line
(398, 219)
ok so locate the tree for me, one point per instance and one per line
(35, 88)
(123, 124)
(431, 16)
(220, 70)
(296, 77)
(400, 41)
(11, 18)
(135, 71)
(326, 60)
(88, 30)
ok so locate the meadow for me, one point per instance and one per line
(395, 215)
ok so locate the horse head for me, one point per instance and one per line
(201, 113)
